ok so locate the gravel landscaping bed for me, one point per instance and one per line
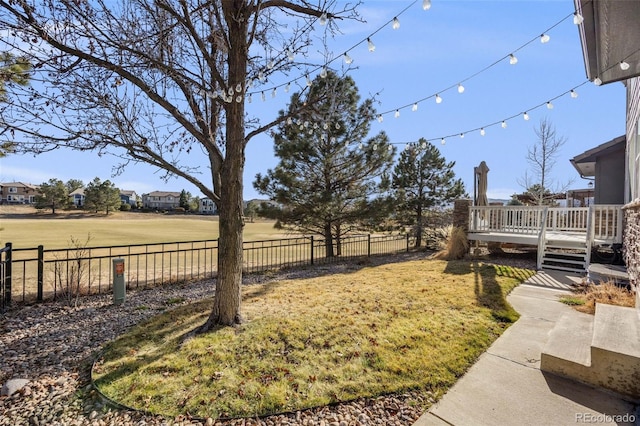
(52, 345)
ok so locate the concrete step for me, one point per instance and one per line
(568, 350)
(601, 350)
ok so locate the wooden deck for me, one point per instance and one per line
(551, 229)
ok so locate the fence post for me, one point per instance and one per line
(312, 249)
(407, 242)
(40, 272)
(368, 245)
(7, 276)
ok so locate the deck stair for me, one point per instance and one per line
(566, 255)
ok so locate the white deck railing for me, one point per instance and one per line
(601, 222)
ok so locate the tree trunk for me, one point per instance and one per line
(338, 241)
(226, 309)
(328, 240)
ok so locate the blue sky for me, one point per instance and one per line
(431, 51)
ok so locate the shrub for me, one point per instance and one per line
(457, 245)
(125, 207)
(607, 292)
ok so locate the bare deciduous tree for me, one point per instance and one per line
(542, 157)
(154, 81)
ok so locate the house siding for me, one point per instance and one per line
(610, 175)
(631, 240)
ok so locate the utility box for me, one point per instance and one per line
(119, 287)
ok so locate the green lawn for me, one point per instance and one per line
(416, 325)
(119, 229)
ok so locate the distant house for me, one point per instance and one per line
(162, 200)
(77, 197)
(207, 206)
(17, 193)
(129, 197)
(606, 165)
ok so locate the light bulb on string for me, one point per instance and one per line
(290, 55)
(371, 46)
(574, 94)
(442, 141)
(482, 132)
(305, 124)
(396, 23)
(397, 113)
(315, 126)
(347, 59)
(624, 65)
(333, 139)
(380, 118)
(239, 88)
(239, 98)
(323, 73)
(337, 126)
(264, 98)
(261, 77)
(549, 105)
(414, 107)
(310, 131)
(577, 18)
(325, 126)
(323, 19)
(309, 83)
(289, 121)
(503, 124)
(423, 144)
(230, 91)
(390, 148)
(287, 88)
(274, 93)
(249, 98)
(526, 116)
(597, 81)
(360, 145)
(375, 147)
(270, 64)
(512, 59)
(544, 38)
(460, 88)
(438, 99)
(426, 4)
(461, 135)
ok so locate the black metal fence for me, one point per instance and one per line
(36, 274)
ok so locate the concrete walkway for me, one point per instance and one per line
(506, 387)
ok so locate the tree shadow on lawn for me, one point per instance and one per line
(487, 290)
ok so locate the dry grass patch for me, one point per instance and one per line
(311, 342)
(587, 295)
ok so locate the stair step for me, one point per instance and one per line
(564, 261)
(563, 268)
(553, 253)
(617, 329)
(564, 247)
(569, 343)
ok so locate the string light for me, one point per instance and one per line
(512, 59)
(624, 65)
(289, 121)
(482, 132)
(274, 93)
(423, 144)
(597, 81)
(396, 23)
(461, 135)
(390, 148)
(544, 38)
(526, 116)
(323, 19)
(574, 94)
(347, 58)
(414, 107)
(287, 88)
(503, 124)
(238, 99)
(438, 99)
(323, 73)
(397, 113)
(309, 83)
(460, 88)
(239, 88)
(290, 55)
(426, 4)
(380, 118)
(372, 47)
(442, 141)
(249, 98)
(577, 18)
(549, 105)
(264, 98)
